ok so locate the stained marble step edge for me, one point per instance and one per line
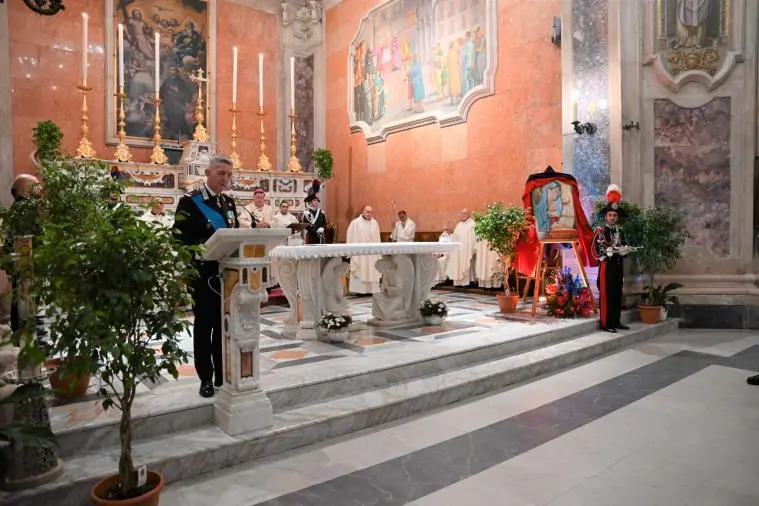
(188, 454)
(186, 410)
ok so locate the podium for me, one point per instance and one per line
(243, 256)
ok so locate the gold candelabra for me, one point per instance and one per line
(85, 149)
(234, 156)
(158, 155)
(122, 153)
(200, 131)
(293, 165)
(263, 161)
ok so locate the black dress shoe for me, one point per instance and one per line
(613, 331)
(206, 390)
(622, 326)
(218, 383)
(753, 380)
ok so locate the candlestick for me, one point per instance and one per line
(234, 156)
(200, 131)
(85, 20)
(121, 56)
(234, 76)
(122, 153)
(293, 165)
(85, 149)
(263, 160)
(292, 83)
(157, 63)
(260, 80)
(158, 156)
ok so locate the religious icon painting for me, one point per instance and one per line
(184, 34)
(553, 208)
(416, 62)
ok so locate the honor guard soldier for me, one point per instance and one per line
(199, 214)
(315, 219)
(610, 249)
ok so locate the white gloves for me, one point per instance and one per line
(320, 230)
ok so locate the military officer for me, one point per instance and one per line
(199, 214)
(315, 219)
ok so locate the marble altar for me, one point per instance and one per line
(311, 278)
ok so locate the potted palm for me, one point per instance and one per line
(503, 227)
(661, 232)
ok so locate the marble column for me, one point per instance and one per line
(6, 126)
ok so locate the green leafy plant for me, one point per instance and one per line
(502, 227)
(323, 162)
(114, 285)
(661, 232)
(47, 138)
(659, 295)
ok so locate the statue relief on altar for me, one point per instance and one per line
(393, 302)
(333, 275)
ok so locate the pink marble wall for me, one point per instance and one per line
(45, 70)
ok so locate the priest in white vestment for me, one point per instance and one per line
(487, 266)
(259, 209)
(404, 229)
(461, 266)
(157, 215)
(364, 277)
(442, 258)
(283, 218)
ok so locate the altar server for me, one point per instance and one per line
(283, 218)
(364, 277)
(404, 229)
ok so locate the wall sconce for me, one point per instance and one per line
(631, 125)
(584, 128)
(44, 7)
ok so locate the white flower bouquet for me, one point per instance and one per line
(335, 322)
(431, 308)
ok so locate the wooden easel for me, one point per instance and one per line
(539, 270)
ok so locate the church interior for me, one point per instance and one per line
(379, 252)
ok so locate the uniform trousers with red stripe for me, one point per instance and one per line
(610, 278)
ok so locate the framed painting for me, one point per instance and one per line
(187, 34)
(416, 62)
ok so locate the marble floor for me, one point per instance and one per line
(667, 422)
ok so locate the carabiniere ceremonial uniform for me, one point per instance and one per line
(200, 213)
(607, 242)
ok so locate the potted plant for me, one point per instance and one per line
(503, 227)
(335, 326)
(323, 162)
(660, 232)
(47, 137)
(115, 289)
(433, 312)
(660, 296)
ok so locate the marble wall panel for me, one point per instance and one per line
(304, 105)
(692, 168)
(590, 66)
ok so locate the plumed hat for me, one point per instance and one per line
(316, 185)
(311, 197)
(613, 200)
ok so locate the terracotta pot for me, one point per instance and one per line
(649, 314)
(150, 498)
(62, 383)
(507, 303)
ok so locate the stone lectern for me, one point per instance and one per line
(243, 256)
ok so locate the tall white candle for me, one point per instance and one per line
(234, 75)
(292, 83)
(85, 19)
(121, 56)
(157, 62)
(260, 80)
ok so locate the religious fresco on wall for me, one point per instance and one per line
(414, 62)
(695, 38)
(692, 169)
(184, 27)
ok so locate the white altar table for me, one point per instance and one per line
(312, 277)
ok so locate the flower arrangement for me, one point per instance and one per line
(335, 322)
(568, 298)
(430, 308)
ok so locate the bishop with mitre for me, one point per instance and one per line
(364, 277)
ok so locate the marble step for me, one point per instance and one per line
(179, 407)
(187, 454)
